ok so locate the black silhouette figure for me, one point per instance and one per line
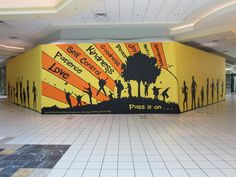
(68, 94)
(222, 89)
(14, 94)
(79, 100)
(207, 91)
(21, 89)
(129, 89)
(101, 84)
(137, 65)
(165, 94)
(212, 90)
(217, 89)
(89, 92)
(27, 92)
(17, 92)
(35, 93)
(8, 90)
(193, 91)
(119, 87)
(11, 93)
(156, 92)
(185, 92)
(24, 97)
(110, 95)
(202, 96)
(146, 86)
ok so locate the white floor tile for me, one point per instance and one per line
(126, 173)
(74, 173)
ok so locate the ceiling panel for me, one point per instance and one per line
(166, 9)
(180, 9)
(112, 9)
(88, 16)
(140, 9)
(126, 10)
(153, 9)
(194, 6)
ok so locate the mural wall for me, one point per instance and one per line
(24, 79)
(108, 78)
(201, 77)
(147, 77)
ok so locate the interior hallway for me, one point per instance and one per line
(197, 143)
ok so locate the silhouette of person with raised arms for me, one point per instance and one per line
(27, 91)
(146, 86)
(79, 100)
(185, 92)
(217, 89)
(119, 87)
(202, 96)
(207, 91)
(155, 91)
(89, 92)
(212, 90)
(129, 89)
(101, 84)
(165, 94)
(35, 93)
(24, 97)
(110, 95)
(21, 91)
(68, 94)
(193, 90)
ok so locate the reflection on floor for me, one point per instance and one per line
(24, 160)
(200, 143)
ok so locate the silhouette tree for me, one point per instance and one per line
(141, 68)
(146, 85)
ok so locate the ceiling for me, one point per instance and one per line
(207, 24)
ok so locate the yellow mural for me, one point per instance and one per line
(145, 77)
(201, 77)
(24, 79)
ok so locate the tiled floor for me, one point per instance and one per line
(199, 143)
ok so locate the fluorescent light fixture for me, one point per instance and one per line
(11, 47)
(208, 13)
